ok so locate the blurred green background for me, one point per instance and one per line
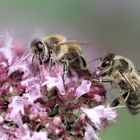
(109, 25)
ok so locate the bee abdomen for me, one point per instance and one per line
(133, 103)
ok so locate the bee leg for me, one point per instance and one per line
(116, 102)
(33, 63)
(128, 81)
(33, 60)
(50, 63)
(101, 80)
(120, 99)
(65, 71)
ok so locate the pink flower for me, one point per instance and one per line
(52, 82)
(20, 67)
(83, 88)
(36, 104)
(1, 119)
(11, 49)
(6, 54)
(23, 133)
(90, 133)
(3, 135)
(39, 136)
(16, 109)
(17, 104)
(56, 120)
(98, 113)
(29, 82)
(33, 93)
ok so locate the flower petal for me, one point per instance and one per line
(83, 88)
(90, 133)
(52, 82)
(97, 113)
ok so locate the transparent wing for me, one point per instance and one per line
(76, 42)
(73, 42)
(133, 81)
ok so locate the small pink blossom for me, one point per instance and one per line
(97, 98)
(23, 133)
(52, 82)
(30, 81)
(98, 113)
(56, 120)
(20, 67)
(16, 110)
(1, 119)
(90, 133)
(33, 93)
(39, 136)
(17, 105)
(3, 65)
(6, 54)
(83, 88)
(36, 104)
(10, 48)
(3, 136)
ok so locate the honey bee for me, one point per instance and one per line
(56, 48)
(122, 71)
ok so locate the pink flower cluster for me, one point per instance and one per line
(35, 103)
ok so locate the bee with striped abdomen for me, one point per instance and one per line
(122, 71)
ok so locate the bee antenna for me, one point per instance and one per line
(94, 59)
(75, 42)
(33, 59)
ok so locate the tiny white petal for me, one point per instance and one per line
(11, 89)
(83, 88)
(90, 133)
(39, 136)
(95, 114)
(34, 93)
(54, 82)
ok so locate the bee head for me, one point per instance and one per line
(37, 46)
(40, 50)
(106, 63)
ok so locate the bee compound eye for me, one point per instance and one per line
(105, 64)
(56, 42)
(40, 46)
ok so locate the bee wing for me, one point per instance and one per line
(132, 82)
(73, 42)
(138, 71)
